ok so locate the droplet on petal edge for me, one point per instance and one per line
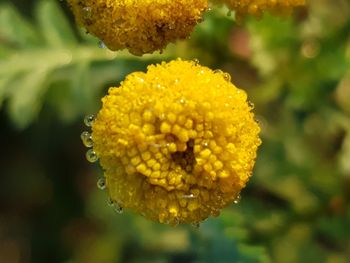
(238, 199)
(101, 44)
(86, 11)
(101, 184)
(91, 156)
(118, 208)
(227, 77)
(251, 105)
(89, 119)
(110, 202)
(87, 139)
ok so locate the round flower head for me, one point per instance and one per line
(177, 143)
(257, 7)
(141, 26)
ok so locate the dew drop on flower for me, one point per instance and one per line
(189, 196)
(238, 199)
(205, 143)
(87, 139)
(251, 105)
(118, 208)
(110, 202)
(87, 14)
(101, 44)
(227, 77)
(101, 184)
(91, 156)
(218, 71)
(89, 119)
(196, 61)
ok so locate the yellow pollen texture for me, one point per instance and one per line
(141, 26)
(177, 143)
(258, 7)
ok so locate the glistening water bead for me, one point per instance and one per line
(101, 44)
(237, 199)
(101, 183)
(87, 139)
(91, 156)
(117, 208)
(89, 119)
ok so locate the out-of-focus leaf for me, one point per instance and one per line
(25, 94)
(15, 31)
(54, 26)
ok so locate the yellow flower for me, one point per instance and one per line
(177, 143)
(141, 26)
(258, 7)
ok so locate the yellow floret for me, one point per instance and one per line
(258, 7)
(141, 26)
(187, 167)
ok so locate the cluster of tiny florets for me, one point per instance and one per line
(258, 7)
(177, 143)
(141, 26)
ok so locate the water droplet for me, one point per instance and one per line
(101, 184)
(238, 199)
(87, 14)
(218, 71)
(251, 105)
(182, 101)
(101, 44)
(196, 61)
(91, 156)
(196, 225)
(110, 202)
(205, 143)
(189, 196)
(142, 80)
(118, 208)
(227, 77)
(89, 119)
(87, 139)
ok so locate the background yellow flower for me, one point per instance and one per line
(141, 26)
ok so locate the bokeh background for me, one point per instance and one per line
(296, 206)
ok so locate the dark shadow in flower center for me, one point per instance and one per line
(185, 159)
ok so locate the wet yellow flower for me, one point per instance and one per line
(177, 144)
(141, 26)
(258, 7)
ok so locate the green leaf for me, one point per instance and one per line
(26, 93)
(15, 31)
(54, 25)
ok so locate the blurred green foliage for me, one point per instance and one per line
(294, 209)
